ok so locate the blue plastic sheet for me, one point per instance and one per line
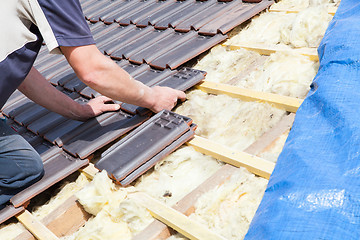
(314, 191)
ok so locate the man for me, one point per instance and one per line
(25, 25)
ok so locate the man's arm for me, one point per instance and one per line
(38, 89)
(103, 75)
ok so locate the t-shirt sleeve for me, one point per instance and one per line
(61, 23)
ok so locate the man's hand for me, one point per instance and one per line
(97, 106)
(165, 98)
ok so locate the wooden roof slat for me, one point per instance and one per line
(174, 219)
(274, 8)
(252, 163)
(287, 103)
(264, 49)
(35, 226)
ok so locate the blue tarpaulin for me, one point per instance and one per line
(314, 191)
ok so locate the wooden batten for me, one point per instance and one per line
(160, 231)
(254, 164)
(174, 219)
(287, 103)
(274, 8)
(62, 221)
(89, 171)
(35, 226)
(264, 49)
(269, 138)
(67, 218)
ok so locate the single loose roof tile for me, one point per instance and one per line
(56, 168)
(142, 144)
(158, 157)
(9, 211)
(102, 134)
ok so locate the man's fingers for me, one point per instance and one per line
(101, 104)
(110, 107)
(103, 99)
(181, 95)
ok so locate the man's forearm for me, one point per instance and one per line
(112, 81)
(105, 76)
